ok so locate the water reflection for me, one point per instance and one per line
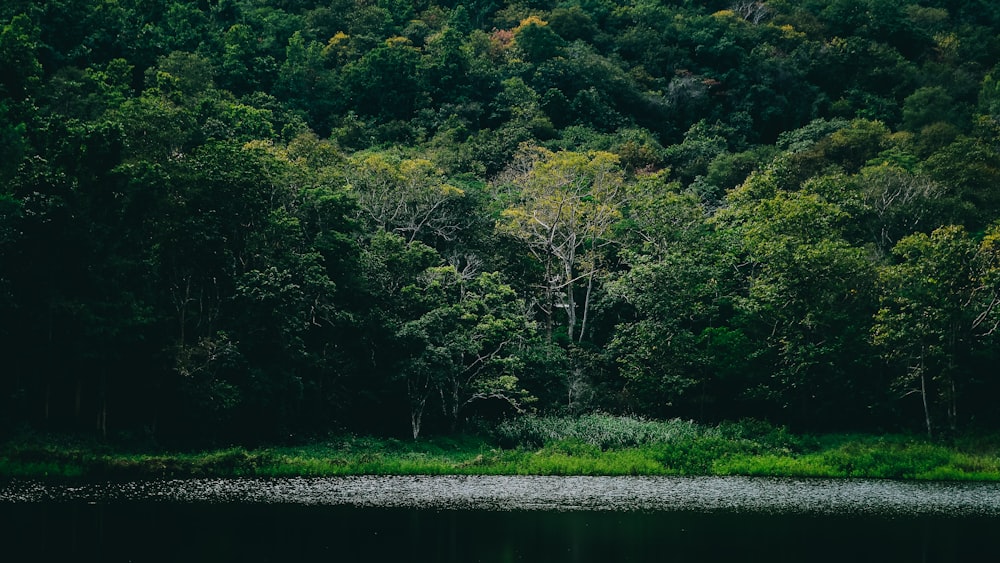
(501, 519)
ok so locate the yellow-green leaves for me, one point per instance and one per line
(563, 206)
(409, 197)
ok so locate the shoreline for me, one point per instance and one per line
(896, 456)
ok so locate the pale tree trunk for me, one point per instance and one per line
(416, 414)
(586, 303)
(456, 406)
(549, 302)
(923, 396)
(418, 402)
(953, 406)
(570, 302)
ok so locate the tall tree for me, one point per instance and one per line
(938, 303)
(563, 206)
(678, 285)
(808, 300)
(409, 197)
(466, 337)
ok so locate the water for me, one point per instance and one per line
(498, 519)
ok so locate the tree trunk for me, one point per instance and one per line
(415, 416)
(455, 405)
(570, 303)
(550, 299)
(586, 304)
(952, 406)
(923, 395)
(417, 405)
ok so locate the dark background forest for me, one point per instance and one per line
(261, 220)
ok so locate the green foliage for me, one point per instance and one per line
(941, 292)
(640, 447)
(594, 430)
(466, 336)
(809, 292)
(18, 47)
(671, 284)
(245, 220)
(536, 40)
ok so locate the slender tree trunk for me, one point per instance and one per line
(570, 303)
(952, 395)
(416, 414)
(550, 304)
(418, 402)
(953, 407)
(586, 304)
(456, 406)
(923, 395)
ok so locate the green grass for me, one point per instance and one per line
(587, 445)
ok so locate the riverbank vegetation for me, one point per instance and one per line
(588, 445)
(236, 221)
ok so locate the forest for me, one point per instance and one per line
(262, 220)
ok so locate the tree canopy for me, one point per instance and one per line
(254, 220)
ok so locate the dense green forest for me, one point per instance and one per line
(256, 220)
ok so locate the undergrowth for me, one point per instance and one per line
(595, 444)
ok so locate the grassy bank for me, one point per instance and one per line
(588, 445)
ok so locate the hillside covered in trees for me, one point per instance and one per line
(249, 219)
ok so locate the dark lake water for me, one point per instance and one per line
(458, 519)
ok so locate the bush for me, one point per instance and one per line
(600, 430)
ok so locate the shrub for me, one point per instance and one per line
(600, 430)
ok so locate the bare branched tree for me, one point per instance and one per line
(753, 12)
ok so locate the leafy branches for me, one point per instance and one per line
(564, 207)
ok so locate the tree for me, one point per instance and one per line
(898, 202)
(928, 105)
(937, 304)
(465, 338)
(387, 81)
(409, 197)
(446, 66)
(18, 47)
(808, 300)
(536, 40)
(563, 206)
(677, 285)
(19, 82)
(388, 264)
(246, 67)
(989, 94)
(968, 168)
(305, 82)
